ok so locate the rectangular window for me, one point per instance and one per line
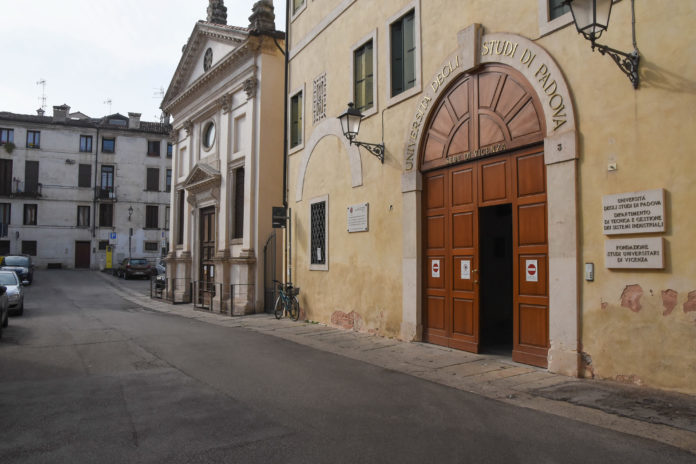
(168, 184)
(170, 150)
(103, 244)
(363, 77)
(180, 217)
(297, 4)
(84, 176)
(5, 177)
(5, 210)
(107, 182)
(86, 143)
(166, 218)
(108, 145)
(33, 139)
(152, 180)
(318, 234)
(31, 177)
(403, 54)
(151, 246)
(6, 135)
(29, 247)
(83, 216)
(4, 247)
(106, 215)
(151, 215)
(557, 8)
(153, 148)
(30, 215)
(296, 110)
(239, 203)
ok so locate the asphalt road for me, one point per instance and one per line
(86, 376)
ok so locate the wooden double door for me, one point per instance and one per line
(206, 289)
(458, 229)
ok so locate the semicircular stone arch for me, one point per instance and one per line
(482, 113)
(328, 127)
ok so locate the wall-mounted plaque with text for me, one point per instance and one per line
(634, 212)
(634, 253)
(357, 217)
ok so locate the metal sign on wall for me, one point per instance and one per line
(634, 212)
(358, 217)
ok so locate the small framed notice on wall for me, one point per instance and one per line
(358, 217)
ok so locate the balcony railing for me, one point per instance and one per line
(106, 193)
(19, 189)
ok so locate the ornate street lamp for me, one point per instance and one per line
(591, 18)
(350, 125)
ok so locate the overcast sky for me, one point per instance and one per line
(91, 51)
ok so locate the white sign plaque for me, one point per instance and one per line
(634, 253)
(532, 270)
(435, 268)
(357, 217)
(466, 269)
(634, 212)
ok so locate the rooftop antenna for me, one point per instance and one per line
(42, 98)
(159, 93)
(108, 102)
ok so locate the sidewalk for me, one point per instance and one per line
(666, 417)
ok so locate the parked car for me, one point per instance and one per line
(21, 264)
(14, 290)
(4, 319)
(134, 267)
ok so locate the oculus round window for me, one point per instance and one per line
(209, 135)
(208, 59)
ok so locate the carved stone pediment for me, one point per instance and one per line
(201, 178)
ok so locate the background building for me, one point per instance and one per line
(71, 185)
(530, 198)
(228, 160)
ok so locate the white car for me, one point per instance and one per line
(14, 290)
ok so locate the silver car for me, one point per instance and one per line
(14, 290)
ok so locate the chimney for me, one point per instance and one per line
(262, 19)
(217, 12)
(60, 113)
(40, 112)
(134, 120)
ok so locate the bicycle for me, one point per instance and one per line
(287, 301)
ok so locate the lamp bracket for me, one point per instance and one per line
(376, 149)
(627, 62)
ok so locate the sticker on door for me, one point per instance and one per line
(435, 267)
(532, 270)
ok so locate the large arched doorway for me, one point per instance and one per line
(485, 234)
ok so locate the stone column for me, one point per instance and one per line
(411, 320)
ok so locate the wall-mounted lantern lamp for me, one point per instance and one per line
(130, 212)
(350, 125)
(591, 18)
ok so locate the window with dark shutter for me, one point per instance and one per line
(151, 217)
(106, 215)
(296, 120)
(30, 214)
(153, 148)
(152, 179)
(239, 203)
(31, 177)
(83, 216)
(84, 176)
(403, 54)
(5, 177)
(29, 247)
(557, 8)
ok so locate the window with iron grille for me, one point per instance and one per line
(106, 215)
(103, 244)
(86, 143)
(33, 139)
(238, 203)
(151, 246)
(153, 148)
(319, 103)
(318, 233)
(4, 247)
(84, 175)
(29, 247)
(30, 214)
(152, 179)
(83, 216)
(151, 215)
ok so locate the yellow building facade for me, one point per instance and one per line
(530, 199)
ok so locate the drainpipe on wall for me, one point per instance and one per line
(94, 199)
(287, 273)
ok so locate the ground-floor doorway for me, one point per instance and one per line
(486, 256)
(82, 255)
